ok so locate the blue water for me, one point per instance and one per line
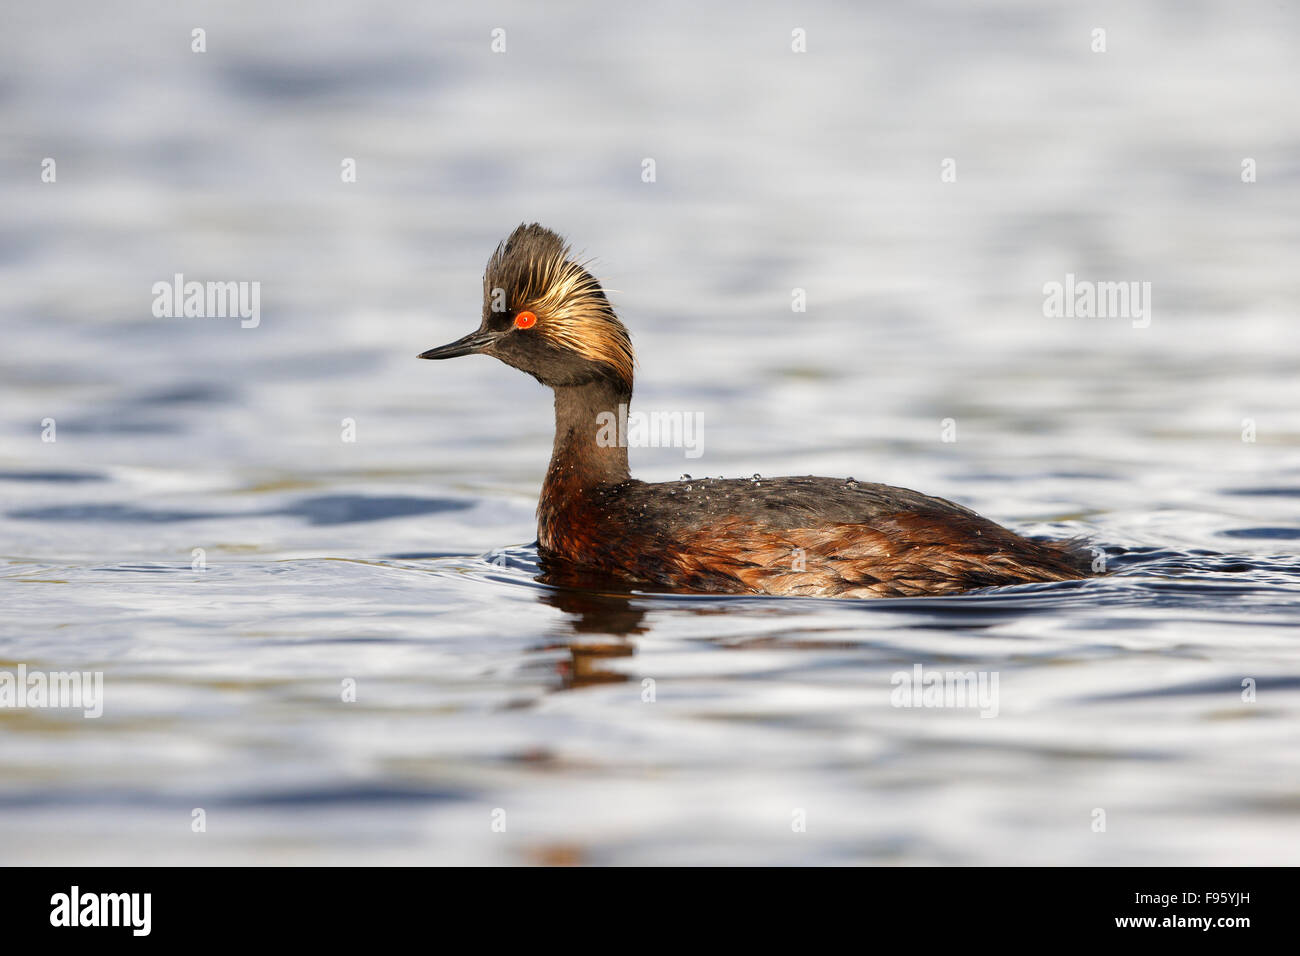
(401, 562)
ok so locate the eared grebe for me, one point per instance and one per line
(545, 314)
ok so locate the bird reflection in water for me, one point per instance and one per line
(599, 627)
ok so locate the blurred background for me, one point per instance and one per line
(401, 560)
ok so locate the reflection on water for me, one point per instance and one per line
(341, 647)
(594, 613)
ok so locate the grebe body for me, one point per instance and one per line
(545, 314)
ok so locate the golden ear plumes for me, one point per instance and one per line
(538, 274)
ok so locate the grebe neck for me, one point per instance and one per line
(590, 424)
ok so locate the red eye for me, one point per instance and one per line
(525, 320)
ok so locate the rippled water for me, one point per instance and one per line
(401, 561)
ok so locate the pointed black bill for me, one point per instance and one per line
(474, 342)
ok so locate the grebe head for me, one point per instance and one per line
(545, 314)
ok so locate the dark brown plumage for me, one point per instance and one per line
(545, 314)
